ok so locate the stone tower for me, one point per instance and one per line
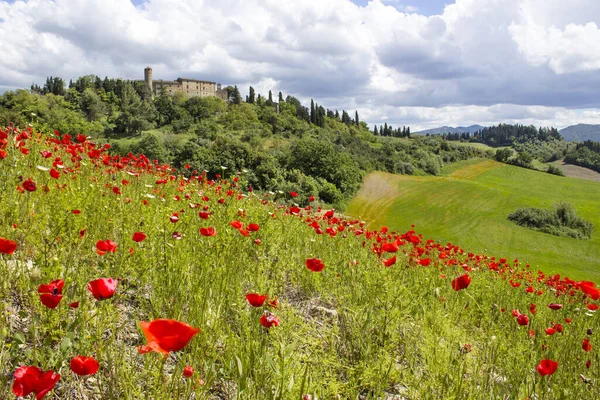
(148, 78)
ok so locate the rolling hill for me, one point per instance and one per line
(581, 132)
(450, 129)
(469, 207)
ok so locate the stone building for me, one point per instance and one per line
(193, 87)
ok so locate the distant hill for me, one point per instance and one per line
(581, 132)
(450, 129)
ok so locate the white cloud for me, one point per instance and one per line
(480, 61)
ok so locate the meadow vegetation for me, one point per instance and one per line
(122, 279)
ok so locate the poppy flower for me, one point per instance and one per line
(29, 185)
(425, 262)
(586, 345)
(46, 154)
(462, 282)
(105, 246)
(188, 372)
(546, 367)
(592, 307)
(590, 289)
(523, 320)
(255, 299)
(204, 214)
(54, 173)
(390, 247)
(7, 246)
(208, 231)
(174, 218)
(83, 366)
(166, 335)
(294, 194)
(311, 198)
(33, 380)
(75, 304)
(550, 331)
(389, 262)
(51, 293)
(555, 306)
(237, 224)
(273, 302)
(315, 265)
(269, 319)
(103, 288)
(139, 237)
(253, 227)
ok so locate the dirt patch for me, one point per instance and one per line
(575, 171)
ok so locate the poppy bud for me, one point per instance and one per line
(589, 331)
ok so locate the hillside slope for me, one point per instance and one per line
(581, 133)
(470, 207)
(191, 288)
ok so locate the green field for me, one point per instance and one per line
(469, 205)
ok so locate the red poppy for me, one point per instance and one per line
(46, 154)
(54, 173)
(29, 185)
(208, 231)
(555, 306)
(462, 282)
(174, 218)
(311, 198)
(546, 367)
(33, 380)
(83, 366)
(389, 262)
(294, 194)
(103, 288)
(588, 364)
(75, 304)
(269, 319)
(204, 214)
(253, 227)
(315, 265)
(523, 319)
(51, 293)
(166, 335)
(105, 246)
(586, 345)
(273, 302)
(590, 289)
(532, 308)
(188, 372)
(550, 331)
(255, 299)
(390, 247)
(237, 224)
(139, 237)
(592, 307)
(7, 246)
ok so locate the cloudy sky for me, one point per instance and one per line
(423, 63)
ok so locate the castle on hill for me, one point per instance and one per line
(193, 87)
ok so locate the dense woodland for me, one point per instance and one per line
(586, 154)
(284, 146)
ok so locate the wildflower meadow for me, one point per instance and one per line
(121, 278)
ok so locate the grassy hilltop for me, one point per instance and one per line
(469, 206)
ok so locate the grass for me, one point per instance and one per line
(469, 207)
(355, 330)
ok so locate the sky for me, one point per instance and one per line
(403, 62)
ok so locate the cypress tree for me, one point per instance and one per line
(356, 118)
(251, 96)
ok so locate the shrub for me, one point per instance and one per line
(555, 170)
(562, 220)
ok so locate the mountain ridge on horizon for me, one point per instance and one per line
(450, 129)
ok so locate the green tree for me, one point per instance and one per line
(251, 97)
(91, 105)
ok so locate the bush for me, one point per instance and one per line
(555, 170)
(562, 220)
